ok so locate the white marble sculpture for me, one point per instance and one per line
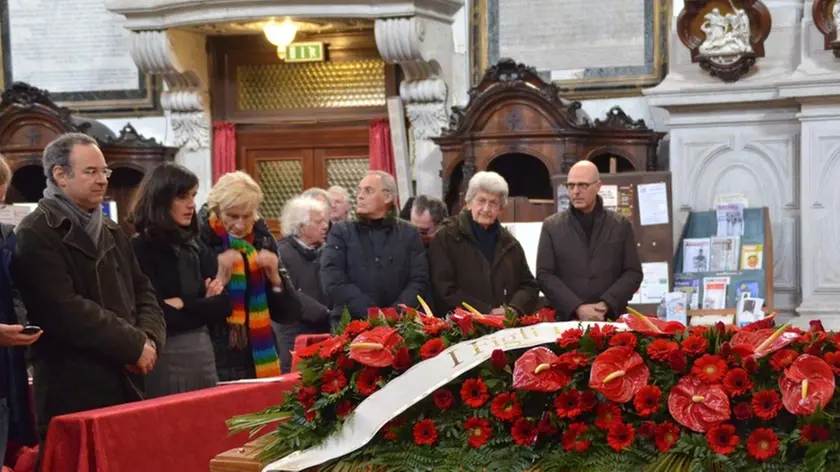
(726, 35)
(835, 12)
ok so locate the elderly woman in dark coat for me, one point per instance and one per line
(251, 272)
(183, 275)
(304, 222)
(478, 261)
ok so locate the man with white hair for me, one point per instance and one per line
(587, 260)
(477, 260)
(341, 203)
(304, 222)
(377, 260)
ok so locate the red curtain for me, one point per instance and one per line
(381, 152)
(224, 148)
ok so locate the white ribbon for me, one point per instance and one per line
(421, 380)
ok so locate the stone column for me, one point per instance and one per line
(423, 47)
(180, 59)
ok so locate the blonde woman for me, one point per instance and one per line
(254, 279)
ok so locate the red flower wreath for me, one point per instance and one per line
(375, 348)
(538, 370)
(806, 384)
(698, 406)
(618, 374)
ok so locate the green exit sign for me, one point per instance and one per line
(305, 52)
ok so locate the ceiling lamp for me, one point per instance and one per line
(280, 35)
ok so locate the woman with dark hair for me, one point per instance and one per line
(183, 275)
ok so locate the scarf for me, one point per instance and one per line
(250, 305)
(90, 221)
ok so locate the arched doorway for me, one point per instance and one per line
(27, 185)
(526, 175)
(605, 161)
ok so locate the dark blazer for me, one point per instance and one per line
(573, 271)
(303, 267)
(95, 305)
(160, 264)
(364, 265)
(283, 307)
(461, 273)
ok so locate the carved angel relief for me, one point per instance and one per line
(728, 39)
(826, 16)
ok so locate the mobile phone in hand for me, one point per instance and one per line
(31, 329)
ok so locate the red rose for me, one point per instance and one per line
(499, 359)
(722, 439)
(478, 431)
(524, 432)
(425, 433)
(402, 359)
(620, 436)
(762, 444)
(506, 407)
(431, 348)
(726, 349)
(677, 361)
(443, 398)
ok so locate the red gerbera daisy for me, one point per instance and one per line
(647, 400)
(660, 349)
(356, 327)
(572, 360)
(568, 404)
(570, 439)
(524, 432)
(443, 399)
(344, 363)
(762, 444)
(722, 438)
(813, 434)
(742, 411)
(332, 346)
(667, 434)
(624, 339)
(694, 345)
(474, 393)
(570, 337)
(332, 381)
(506, 407)
(647, 429)
(344, 408)
(750, 365)
(391, 430)
(698, 330)
(766, 404)
(607, 415)
(737, 382)
(478, 431)
(306, 396)
(425, 432)
(368, 381)
(833, 360)
(588, 400)
(709, 368)
(431, 348)
(620, 436)
(783, 359)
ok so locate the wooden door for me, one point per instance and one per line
(287, 161)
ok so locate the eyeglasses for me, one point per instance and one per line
(581, 185)
(94, 172)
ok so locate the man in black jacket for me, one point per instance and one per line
(377, 260)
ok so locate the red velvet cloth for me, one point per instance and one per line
(224, 148)
(305, 340)
(179, 432)
(381, 151)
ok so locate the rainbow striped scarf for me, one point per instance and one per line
(253, 307)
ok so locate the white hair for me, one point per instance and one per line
(489, 182)
(315, 192)
(341, 191)
(298, 212)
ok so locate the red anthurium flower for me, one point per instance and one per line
(667, 434)
(375, 348)
(815, 326)
(762, 444)
(620, 436)
(433, 326)
(309, 351)
(506, 407)
(547, 315)
(537, 370)
(618, 374)
(762, 342)
(697, 405)
(722, 439)
(464, 320)
(766, 323)
(651, 325)
(389, 314)
(425, 432)
(571, 441)
(808, 382)
(493, 321)
(478, 431)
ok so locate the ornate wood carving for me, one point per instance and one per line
(512, 113)
(29, 120)
(725, 36)
(826, 15)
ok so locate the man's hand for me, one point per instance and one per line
(591, 312)
(271, 265)
(213, 287)
(11, 335)
(602, 306)
(499, 310)
(175, 303)
(147, 359)
(226, 261)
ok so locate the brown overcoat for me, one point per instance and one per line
(96, 309)
(572, 271)
(461, 273)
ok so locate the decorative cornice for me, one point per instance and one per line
(165, 14)
(23, 95)
(617, 119)
(130, 137)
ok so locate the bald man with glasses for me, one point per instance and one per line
(587, 261)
